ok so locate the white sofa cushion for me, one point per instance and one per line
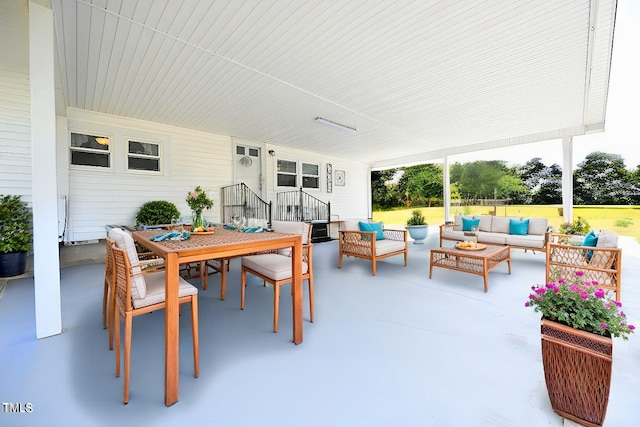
(492, 238)
(538, 226)
(607, 240)
(501, 224)
(457, 235)
(485, 222)
(528, 241)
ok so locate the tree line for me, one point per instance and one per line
(600, 179)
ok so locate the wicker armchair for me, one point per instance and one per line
(601, 263)
(363, 244)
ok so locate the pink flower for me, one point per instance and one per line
(599, 293)
(193, 195)
(579, 273)
(618, 304)
(584, 295)
(603, 325)
(631, 327)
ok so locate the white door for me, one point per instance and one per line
(248, 166)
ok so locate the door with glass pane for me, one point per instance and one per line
(248, 167)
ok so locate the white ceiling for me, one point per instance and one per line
(418, 79)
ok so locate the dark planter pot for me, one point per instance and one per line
(577, 370)
(418, 233)
(13, 264)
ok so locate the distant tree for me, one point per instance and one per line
(602, 179)
(479, 179)
(550, 190)
(544, 182)
(422, 184)
(511, 187)
(382, 192)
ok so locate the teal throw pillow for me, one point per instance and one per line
(468, 223)
(591, 240)
(372, 226)
(519, 227)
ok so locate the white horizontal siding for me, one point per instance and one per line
(15, 121)
(101, 197)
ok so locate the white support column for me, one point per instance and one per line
(46, 269)
(447, 188)
(567, 178)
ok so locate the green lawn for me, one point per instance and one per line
(623, 220)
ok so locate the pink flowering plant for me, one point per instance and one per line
(198, 200)
(580, 304)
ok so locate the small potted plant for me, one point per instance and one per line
(15, 235)
(578, 323)
(417, 227)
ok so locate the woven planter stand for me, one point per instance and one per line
(577, 370)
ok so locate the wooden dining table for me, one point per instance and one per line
(222, 243)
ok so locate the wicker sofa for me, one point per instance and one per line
(524, 233)
(371, 245)
(601, 262)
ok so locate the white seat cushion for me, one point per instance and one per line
(387, 246)
(273, 266)
(125, 241)
(156, 289)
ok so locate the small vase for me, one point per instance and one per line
(198, 220)
(577, 370)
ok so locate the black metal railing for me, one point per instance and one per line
(300, 206)
(240, 201)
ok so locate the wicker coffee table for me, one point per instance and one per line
(475, 261)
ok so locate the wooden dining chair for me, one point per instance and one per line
(138, 293)
(147, 261)
(275, 268)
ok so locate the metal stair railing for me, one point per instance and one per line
(300, 206)
(240, 201)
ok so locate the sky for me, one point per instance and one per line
(622, 134)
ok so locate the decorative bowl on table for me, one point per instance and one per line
(470, 246)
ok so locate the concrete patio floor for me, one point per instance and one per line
(397, 349)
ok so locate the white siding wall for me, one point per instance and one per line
(15, 122)
(348, 201)
(100, 197)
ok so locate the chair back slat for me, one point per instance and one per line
(123, 279)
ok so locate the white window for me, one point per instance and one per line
(143, 156)
(287, 173)
(310, 175)
(90, 150)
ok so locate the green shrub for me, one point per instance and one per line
(579, 226)
(157, 212)
(15, 225)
